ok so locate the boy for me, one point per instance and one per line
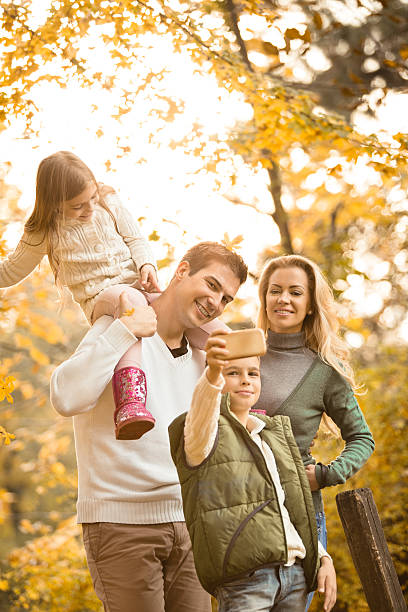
(246, 498)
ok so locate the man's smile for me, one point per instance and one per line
(203, 311)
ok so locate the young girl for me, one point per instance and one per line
(306, 373)
(96, 250)
(246, 497)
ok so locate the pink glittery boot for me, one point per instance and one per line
(131, 417)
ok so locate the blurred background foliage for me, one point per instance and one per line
(309, 73)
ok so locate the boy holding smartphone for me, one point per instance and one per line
(246, 498)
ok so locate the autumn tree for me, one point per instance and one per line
(336, 195)
(37, 462)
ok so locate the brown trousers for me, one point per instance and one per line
(143, 568)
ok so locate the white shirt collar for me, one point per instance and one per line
(254, 425)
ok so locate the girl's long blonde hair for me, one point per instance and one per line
(321, 326)
(61, 176)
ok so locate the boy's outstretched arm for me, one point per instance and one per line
(326, 583)
(201, 424)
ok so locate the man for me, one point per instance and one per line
(129, 500)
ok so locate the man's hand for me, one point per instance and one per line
(148, 278)
(311, 476)
(216, 355)
(326, 583)
(140, 320)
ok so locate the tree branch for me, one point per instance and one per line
(275, 186)
(34, 34)
(234, 17)
(280, 215)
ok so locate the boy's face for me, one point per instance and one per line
(242, 382)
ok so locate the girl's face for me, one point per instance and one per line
(287, 300)
(83, 205)
(243, 382)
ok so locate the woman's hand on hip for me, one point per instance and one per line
(311, 476)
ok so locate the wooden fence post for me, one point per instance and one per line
(369, 551)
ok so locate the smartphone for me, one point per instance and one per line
(245, 343)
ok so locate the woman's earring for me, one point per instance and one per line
(310, 312)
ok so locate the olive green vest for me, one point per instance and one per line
(230, 502)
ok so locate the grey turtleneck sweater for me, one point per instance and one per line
(296, 382)
(282, 368)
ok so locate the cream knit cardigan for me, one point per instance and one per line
(92, 254)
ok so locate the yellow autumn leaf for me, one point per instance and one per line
(26, 526)
(58, 468)
(27, 390)
(163, 263)
(22, 341)
(39, 357)
(232, 243)
(6, 388)
(40, 294)
(6, 436)
(129, 313)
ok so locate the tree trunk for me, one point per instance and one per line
(280, 215)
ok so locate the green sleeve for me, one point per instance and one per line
(341, 405)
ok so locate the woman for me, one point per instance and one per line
(306, 372)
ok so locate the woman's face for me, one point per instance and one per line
(287, 300)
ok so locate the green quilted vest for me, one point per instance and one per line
(230, 502)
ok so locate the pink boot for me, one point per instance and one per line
(131, 417)
(257, 411)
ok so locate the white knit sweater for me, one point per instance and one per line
(92, 254)
(124, 481)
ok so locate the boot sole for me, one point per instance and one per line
(134, 429)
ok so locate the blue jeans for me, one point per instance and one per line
(282, 589)
(322, 537)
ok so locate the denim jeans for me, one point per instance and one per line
(322, 537)
(281, 589)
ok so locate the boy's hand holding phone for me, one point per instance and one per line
(217, 354)
(223, 346)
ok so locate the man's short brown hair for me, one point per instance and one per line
(204, 253)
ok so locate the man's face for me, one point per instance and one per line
(203, 296)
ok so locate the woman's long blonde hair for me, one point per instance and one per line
(61, 176)
(322, 325)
